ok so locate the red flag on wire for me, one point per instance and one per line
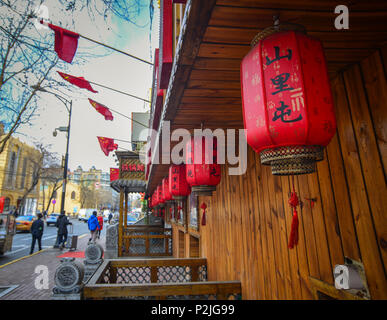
(114, 174)
(66, 42)
(80, 82)
(102, 109)
(107, 145)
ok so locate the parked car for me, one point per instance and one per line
(84, 214)
(51, 219)
(131, 219)
(24, 223)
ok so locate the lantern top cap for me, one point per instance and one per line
(277, 27)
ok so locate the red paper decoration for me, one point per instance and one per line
(155, 198)
(287, 102)
(178, 185)
(166, 193)
(160, 195)
(203, 178)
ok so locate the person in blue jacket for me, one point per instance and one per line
(93, 225)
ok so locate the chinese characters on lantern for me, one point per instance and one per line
(281, 84)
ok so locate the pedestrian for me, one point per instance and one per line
(110, 217)
(100, 222)
(61, 224)
(37, 228)
(93, 225)
(45, 214)
(15, 213)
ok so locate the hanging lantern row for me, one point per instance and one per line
(287, 103)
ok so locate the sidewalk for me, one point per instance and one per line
(22, 272)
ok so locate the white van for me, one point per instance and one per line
(84, 214)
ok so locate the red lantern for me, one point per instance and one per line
(160, 195)
(178, 185)
(287, 103)
(166, 193)
(202, 176)
(155, 198)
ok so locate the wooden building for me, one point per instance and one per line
(343, 204)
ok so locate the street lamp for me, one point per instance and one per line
(62, 129)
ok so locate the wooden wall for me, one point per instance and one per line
(247, 239)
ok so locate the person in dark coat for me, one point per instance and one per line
(37, 228)
(61, 224)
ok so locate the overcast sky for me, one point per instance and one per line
(113, 70)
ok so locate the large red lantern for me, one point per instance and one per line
(203, 172)
(178, 185)
(287, 103)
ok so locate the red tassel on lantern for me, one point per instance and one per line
(204, 207)
(178, 212)
(293, 238)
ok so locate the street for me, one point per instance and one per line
(22, 240)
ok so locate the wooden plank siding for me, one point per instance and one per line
(249, 218)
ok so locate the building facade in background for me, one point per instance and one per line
(84, 189)
(18, 163)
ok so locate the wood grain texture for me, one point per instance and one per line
(249, 217)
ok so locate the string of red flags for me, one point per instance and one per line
(66, 43)
(80, 82)
(107, 145)
(102, 109)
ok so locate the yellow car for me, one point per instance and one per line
(24, 223)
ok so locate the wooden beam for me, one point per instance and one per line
(120, 223)
(126, 263)
(126, 211)
(222, 288)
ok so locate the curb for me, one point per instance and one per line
(22, 258)
(35, 253)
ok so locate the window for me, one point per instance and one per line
(23, 177)
(73, 195)
(12, 168)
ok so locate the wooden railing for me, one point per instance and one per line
(157, 279)
(146, 240)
